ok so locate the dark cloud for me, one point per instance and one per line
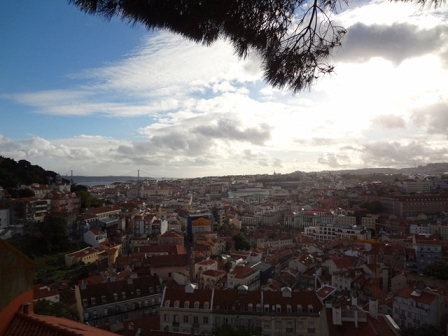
(394, 154)
(196, 142)
(433, 117)
(229, 129)
(388, 121)
(395, 43)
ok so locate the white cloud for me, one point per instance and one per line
(211, 114)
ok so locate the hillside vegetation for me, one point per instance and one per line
(14, 173)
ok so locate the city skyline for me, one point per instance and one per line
(81, 94)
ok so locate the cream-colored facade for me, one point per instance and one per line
(284, 313)
(87, 256)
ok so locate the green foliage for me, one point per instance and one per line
(373, 207)
(51, 235)
(51, 269)
(228, 330)
(13, 173)
(45, 307)
(21, 193)
(293, 39)
(423, 330)
(86, 198)
(438, 270)
(241, 242)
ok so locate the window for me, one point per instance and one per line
(105, 311)
(84, 302)
(249, 307)
(205, 319)
(93, 300)
(123, 295)
(185, 318)
(103, 298)
(196, 305)
(167, 303)
(165, 318)
(206, 305)
(115, 296)
(138, 291)
(187, 304)
(176, 304)
(266, 308)
(151, 290)
(299, 309)
(311, 328)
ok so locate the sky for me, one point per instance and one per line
(84, 96)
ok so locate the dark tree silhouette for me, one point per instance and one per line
(294, 38)
(241, 242)
(423, 330)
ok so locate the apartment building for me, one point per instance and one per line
(416, 186)
(413, 205)
(414, 307)
(282, 313)
(244, 275)
(427, 252)
(87, 255)
(171, 238)
(324, 233)
(118, 301)
(26, 209)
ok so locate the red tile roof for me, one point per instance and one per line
(370, 328)
(40, 325)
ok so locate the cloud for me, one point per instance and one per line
(395, 42)
(433, 117)
(157, 77)
(395, 154)
(388, 121)
(227, 127)
(333, 160)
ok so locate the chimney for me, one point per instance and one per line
(373, 308)
(354, 301)
(337, 315)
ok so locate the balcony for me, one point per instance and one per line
(175, 324)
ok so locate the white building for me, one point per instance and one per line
(94, 237)
(4, 218)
